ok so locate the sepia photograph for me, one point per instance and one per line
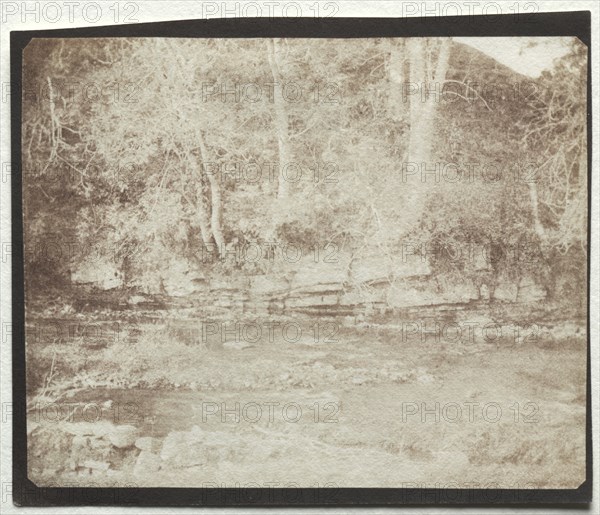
(306, 263)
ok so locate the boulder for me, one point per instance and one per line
(330, 268)
(506, 292)
(147, 443)
(124, 436)
(368, 269)
(530, 291)
(80, 441)
(101, 271)
(410, 296)
(174, 443)
(195, 435)
(146, 463)
(96, 465)
(185, 449)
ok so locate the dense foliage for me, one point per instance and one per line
(156, 153)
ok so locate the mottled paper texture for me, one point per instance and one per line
(306, 262)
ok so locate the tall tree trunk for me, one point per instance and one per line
(216, 218)
(215, 224)
(423, 103)
(201, 207)
(533, 197)
(397, 78)
(416, 56)
(428, 79)
(203, 219)
(281, 118)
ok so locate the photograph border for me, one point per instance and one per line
(26, 493)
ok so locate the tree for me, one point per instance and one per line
(158, 156)
(553, 133)
(417, 71)
(280, 116)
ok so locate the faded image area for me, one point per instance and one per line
(321, 263)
